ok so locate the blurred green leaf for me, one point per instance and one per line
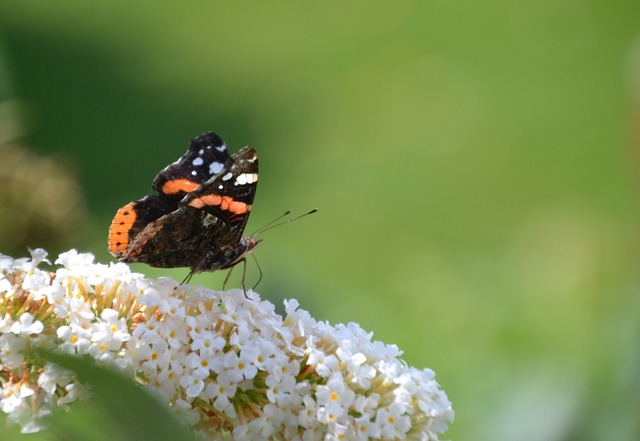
(118, 410)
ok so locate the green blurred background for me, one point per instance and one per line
(474, 165)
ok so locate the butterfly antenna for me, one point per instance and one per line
(273, 223)
(266, 227)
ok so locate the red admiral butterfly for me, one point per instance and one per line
(198, 216)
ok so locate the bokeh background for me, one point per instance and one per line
(475, 166)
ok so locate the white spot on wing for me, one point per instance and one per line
(246, 178)
(221, 148)
(215, 168)
(227, 176)
(220, 186)
(241, 179)
(198, 161)
(201, 152)
(193, 173)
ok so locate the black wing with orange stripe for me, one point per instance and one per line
(197, 218)
(206, 157)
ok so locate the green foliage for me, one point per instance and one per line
(118, 410)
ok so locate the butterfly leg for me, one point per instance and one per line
(259, 270)
(244, 275)
(226, 279)
(188, 278)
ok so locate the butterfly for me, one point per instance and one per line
(197, 215)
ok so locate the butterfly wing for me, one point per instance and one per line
(229, 195)
(199, 215)
(205, 158)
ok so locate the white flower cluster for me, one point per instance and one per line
(230, 366)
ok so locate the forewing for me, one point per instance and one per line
(205, 158)
(229, 195)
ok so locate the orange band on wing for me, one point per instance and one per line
(225, 202)
(176, 185)
(120, 227)
(210, 199)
